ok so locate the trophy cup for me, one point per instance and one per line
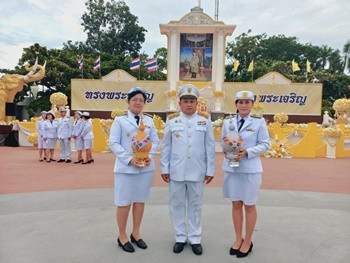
(141, 144)
(232, 143)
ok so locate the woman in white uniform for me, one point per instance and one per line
(88, 137)
(78, 126)
(50, 136)
(132, 182)
(242, 184)
(40, 128)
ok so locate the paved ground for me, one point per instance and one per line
(78, 226)
(22, 172)
(65, 213)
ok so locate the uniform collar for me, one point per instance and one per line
(188, 116)
(247, 121)
(131, 118)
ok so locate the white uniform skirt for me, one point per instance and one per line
(132, 188)
(50, 143)
(87, 144)
(242, 187)
(40, 142)
(79, 144)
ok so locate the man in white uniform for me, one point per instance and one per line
(64, 132)
(187, 160)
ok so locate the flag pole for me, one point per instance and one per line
(99, 69)
(140, 69)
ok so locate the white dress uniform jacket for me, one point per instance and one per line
(50, 129)
(87, 133)
(64, 127)
(78, 127)
(188, 151)
(255, 138)
(124, 128)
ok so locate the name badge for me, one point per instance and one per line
(250, 129)
(202, 123)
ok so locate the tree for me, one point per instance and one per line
(111, 28)
(346, 51)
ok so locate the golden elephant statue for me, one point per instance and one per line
(10, 84)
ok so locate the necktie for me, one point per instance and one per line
(137, 118)
(51, 122)
(241, 122)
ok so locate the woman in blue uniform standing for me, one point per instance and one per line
(78, 126)
(87, 135)
(50, 136)
(242, 183)
(40, 128)
(132, 182)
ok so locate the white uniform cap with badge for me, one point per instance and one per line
(244, 95)
(79, 112)
(63, 109)
(188, 91)
(44, 112)
(86, 114)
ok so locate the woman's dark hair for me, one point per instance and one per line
(134, 93)
(49, 113)
(86, 117)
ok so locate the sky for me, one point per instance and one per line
(51, 22)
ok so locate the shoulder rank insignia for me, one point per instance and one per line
(203, 114)
(229, 116)
(254, 116)
(149, 115)
(172, 116)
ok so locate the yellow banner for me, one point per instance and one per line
(98, 95)
(292, 99)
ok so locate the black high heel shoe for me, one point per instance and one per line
(240, 254)
(139, 243)
(80, 161)
(127, 247)
(234, 251)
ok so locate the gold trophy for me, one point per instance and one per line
(141, 144)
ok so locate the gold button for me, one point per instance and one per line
(189, 146)
(189, 126)
(189, 157)
(189, 136)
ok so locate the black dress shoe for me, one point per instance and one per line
(61, 161)
(240, 254)
(68, 161)
(127, 247)
(197, 249)
(139, 243)
(234, 251)
(178, 247)
(53, 160)
(80, 161)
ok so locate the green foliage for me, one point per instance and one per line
(111, 28)
(275, 53)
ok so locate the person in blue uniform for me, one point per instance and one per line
(50, 136)
(40, 128)
(78, 126)
(187, 161)
(132, 182)
(241, 184)
(88, 136)
(64, 133)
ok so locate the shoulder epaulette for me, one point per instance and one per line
(257, 117)
(229, 116)
(149, 115)
(173, 115)
(203, 114)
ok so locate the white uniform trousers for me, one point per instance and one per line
(65, 149)
(180, 194)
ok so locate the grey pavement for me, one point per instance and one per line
(79, 226)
